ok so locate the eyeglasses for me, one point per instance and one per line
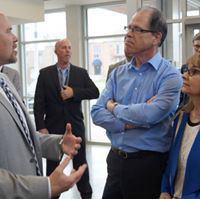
(137, 29)
(192, 71)
(184, 68)
(197, 46)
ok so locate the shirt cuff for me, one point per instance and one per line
(60, 146)
(116, 109)
(49, 186)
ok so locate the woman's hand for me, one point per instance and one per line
(165, 195)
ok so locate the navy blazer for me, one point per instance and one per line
(191, 185)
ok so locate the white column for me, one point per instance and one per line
(132, 6)
(74, 33)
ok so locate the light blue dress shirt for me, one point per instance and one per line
(131, 88)
(63, 76)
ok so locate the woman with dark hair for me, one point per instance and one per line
(182, 176)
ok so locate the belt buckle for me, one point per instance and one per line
(123, 154)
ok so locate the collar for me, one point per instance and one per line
(154, 61)
(66, 67)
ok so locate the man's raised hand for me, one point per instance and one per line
(70, 143)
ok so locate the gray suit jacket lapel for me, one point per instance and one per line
(29, 124)
(10, 108)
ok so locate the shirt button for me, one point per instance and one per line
(140, 74)
(135, 88)
(122, 133)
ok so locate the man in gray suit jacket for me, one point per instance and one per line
(21, 148)
(14, 77)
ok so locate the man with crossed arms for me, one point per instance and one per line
(135, 109)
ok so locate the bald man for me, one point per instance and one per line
(59, 92)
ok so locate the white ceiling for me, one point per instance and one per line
(56, 4)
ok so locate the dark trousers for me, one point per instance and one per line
(136, 177)
(83, 185)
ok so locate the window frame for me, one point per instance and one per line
(86, 39)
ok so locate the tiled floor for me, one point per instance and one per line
(96, 156)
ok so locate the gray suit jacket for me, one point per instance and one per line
(17, 170)
(113, 66)
(13, 75)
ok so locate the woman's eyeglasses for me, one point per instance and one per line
(192, 71)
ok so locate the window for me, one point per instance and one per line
(38, 40)
(105, 42)
(152, 3)
(53, 27)
(171, 8)
(193, 7)
(101, 20)
(107, 54)
(38, 55)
